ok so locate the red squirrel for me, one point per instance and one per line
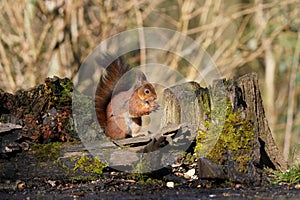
(122, 97)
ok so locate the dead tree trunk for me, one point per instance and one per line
(237, 142)
(270, 154)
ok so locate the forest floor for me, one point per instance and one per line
(23, 177)
(110, 188)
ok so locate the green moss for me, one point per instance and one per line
(200, 139)
(138, 172)
(235, 136)
(149, 180)
(88, 164)
(58, 91)
(234, 143)
(67, 170)
(144, 178)
(48, 151)
(189, 158)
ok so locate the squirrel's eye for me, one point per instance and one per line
(146, 91)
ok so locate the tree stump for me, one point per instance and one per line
(235, 106)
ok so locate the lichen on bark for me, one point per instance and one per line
(231, 131)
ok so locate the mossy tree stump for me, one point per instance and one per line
(233, 138)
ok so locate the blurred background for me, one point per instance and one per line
(42, 38)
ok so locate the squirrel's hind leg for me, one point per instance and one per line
(116, 128)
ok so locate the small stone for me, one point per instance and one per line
(170, 184)
(130, 181)
(179, 174)
(175, 165)
(52, 183)
(25, 146)
(77, 195)
(226, 194)
(94, 182)
(195, 177)
(238, 186)
(189, 174)
(297, 186)
(208, 185)
(60, 186)
(21, 186)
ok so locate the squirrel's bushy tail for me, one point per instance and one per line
(106, 86)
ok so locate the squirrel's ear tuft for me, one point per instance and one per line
(139, 78)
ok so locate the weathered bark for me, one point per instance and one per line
(44, 111)
(181, 105)
(255, 112)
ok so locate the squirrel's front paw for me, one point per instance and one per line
(156, 107)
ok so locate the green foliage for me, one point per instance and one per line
(290, 176)
(88, 164)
